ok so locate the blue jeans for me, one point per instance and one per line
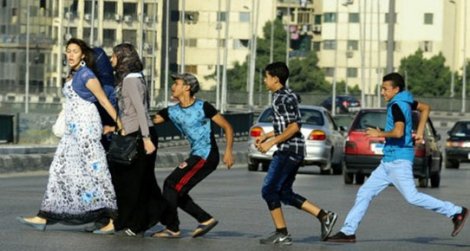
(400, 174)
(278, 182)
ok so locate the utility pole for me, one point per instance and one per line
(335, 60)
(224, 74)
(391, 35)
(92, 30)
(217, 70)
(183, 37)
(167, 40)
(464, 74)
(26, 87)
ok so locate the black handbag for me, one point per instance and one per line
(123, 150)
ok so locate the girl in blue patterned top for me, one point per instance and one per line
(79, 189)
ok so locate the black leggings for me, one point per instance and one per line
(178, 184)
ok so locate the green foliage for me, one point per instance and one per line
(426, 77)
(305, 75)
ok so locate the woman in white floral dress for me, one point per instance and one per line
(79, 189)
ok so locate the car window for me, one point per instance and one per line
(378, 119)
(309, 116)
(460, 129)
(370, 119)
(312, 117)
(267, 116)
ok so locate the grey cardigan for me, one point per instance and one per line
(132, 101)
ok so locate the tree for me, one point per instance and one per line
(426, 77)
(306, 76)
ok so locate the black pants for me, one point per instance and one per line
(178, 184)
(139, 199)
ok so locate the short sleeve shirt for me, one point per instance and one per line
(286, 111)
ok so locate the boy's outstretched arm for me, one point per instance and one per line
(228, 131)
(424, 110)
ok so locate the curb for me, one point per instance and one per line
(17, 163)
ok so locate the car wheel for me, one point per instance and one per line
(337, 168)
(435, 179)
(454, 164)
(423, 182)
(348, 178)
(265, 166)
(360, 178)
(253, 166)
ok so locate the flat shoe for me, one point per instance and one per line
(165, 233)
(203, 229)
(104, 232)
(38, 226)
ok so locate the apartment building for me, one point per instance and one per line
(351, 36)
(17, 19)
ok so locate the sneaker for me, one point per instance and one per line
(342, 237)
(459, 221)
(277, 238)
(128, 232)
(327, 223)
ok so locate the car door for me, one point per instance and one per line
(432, 145)
(337, 137)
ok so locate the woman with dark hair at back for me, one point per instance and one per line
(79, 189)
(104, 72)
(139, 198)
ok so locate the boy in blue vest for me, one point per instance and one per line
(396, 166)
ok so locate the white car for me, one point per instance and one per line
(323, 138)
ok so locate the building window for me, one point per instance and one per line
(221, 43)
(191, 42)
(13, 12)
(353, 45)
(428, 18)
(316, 46)
(387, 18)
(109, 10)
(13, 57)
(317, 19)
(426, 46)
(303, 17)
(245, 17)
(222, 16)
(130, 9)
(240, 43)
(353, 18)
(329, 71)
(329, 17)
(109, 37)
(191, 69)
(329, 45)
(129, 36)
(351, 72)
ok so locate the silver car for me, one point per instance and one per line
(323, 138)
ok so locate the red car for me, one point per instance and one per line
(363, 154)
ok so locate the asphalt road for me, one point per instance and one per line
(233, 197)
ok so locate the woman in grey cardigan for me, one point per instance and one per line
(139, 198)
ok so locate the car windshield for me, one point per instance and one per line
(376, 119)
(309, 116)
(461, 129)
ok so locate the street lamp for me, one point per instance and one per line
(26, 88)
(464, 74)
(452, 79)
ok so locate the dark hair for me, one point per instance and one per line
(278, 69)
(86, 50)
(397, 80)
(128, 61)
